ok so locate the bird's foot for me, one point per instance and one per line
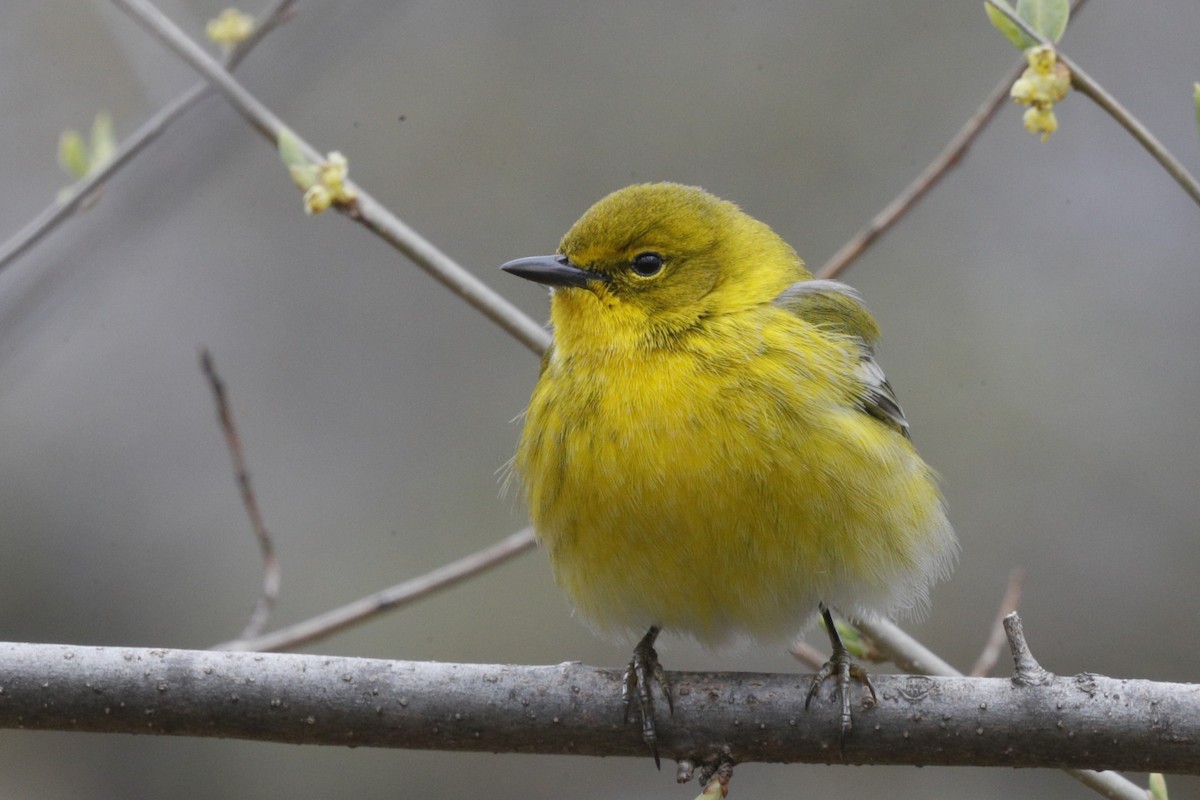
(644, 669)
(843, 670)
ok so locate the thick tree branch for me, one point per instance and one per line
(1084, 721)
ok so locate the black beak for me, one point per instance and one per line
(552, 271)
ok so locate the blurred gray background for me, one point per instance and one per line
(1039, 311)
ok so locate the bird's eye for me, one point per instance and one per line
(647, 264)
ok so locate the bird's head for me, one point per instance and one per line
(649, 262)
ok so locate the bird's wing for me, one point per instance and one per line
(834, 306)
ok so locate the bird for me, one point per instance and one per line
(712, 448)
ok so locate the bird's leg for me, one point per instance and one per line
(642, 670)
(842, 669)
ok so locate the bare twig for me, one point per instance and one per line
(1087, 86)
(808, 655)
(270, 568)
(87, 187)
(399, 595)
(951, 155)
(911, 655)
(282, 12)
(995, 643)
(367, 210)
(376, 218)
(903, 650)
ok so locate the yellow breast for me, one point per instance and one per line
(726, 484)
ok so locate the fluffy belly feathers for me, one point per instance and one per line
(710, 506)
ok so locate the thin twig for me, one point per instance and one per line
(399, 595)
(270, 568)
(951, 155)
(367, 210)
(995, 643)
(1088, 87)
(376, 218)
(282, 12)
(86, 188)
(903, 650)
(808, 655)
(912, 656)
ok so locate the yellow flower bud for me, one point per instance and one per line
(316, 199)
(1045, 82)
(332, 175)
(1023, 91)
(1041, 120)
(1042, 59)
(1060, 82)
(229, 28)
(324, 184)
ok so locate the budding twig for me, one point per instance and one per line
(1087, 86)
(85, 189)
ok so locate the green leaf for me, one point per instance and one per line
(103, 143)
(78, 158)
(303, 172)
(72, 154)
(1006, 26)
(856, 642)
(1158, 786)
(1047, 17)
(1196, 97)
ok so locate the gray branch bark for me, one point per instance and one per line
(1085, 721)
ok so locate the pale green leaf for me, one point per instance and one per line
(72, 154)
(1196, 97)
(1158, 786)
(103, 143)
(303, 172)
(1047, 17)
(303, 175)
(1006, 26)
(856, 642)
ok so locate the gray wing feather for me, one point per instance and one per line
(836, 306)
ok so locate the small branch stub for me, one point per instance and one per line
(1028, 671)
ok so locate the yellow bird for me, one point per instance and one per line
(711, 447)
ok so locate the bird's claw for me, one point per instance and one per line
(643, 670)
(843, 670)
